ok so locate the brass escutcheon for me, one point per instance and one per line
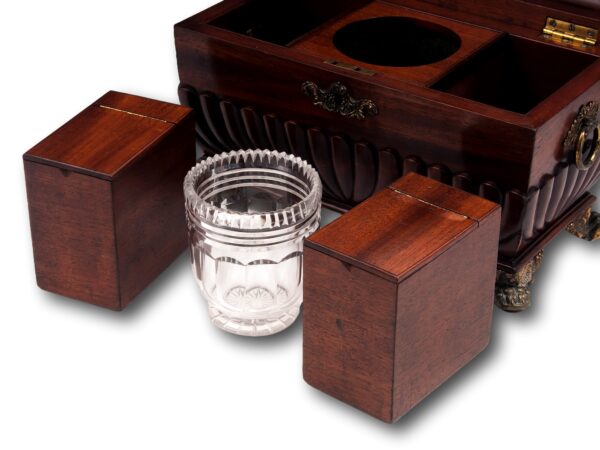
(336, 98)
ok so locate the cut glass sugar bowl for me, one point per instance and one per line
(248, 213)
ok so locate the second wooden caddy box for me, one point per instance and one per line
(398, 295)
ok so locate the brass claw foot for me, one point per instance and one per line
(587, 226)
(513, 290)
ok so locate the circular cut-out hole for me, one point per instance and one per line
(396, 42)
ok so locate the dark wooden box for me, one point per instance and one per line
(399, 294)
(479, 95)
(105, 196)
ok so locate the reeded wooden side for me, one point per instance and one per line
(352, 171)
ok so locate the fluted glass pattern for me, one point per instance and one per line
(248, 213)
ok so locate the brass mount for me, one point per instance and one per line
(570, 33)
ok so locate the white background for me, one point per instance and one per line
(73, 376)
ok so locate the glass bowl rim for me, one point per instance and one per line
(287, 217)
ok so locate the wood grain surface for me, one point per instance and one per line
(402, 228)
(106, 201)
(71, 217)
(383, 343)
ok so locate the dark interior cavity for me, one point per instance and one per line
(283, 21)
(396, 42)
(515, 74)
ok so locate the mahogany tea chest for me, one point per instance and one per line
(499, 99)
(105, 198)
(399, 294)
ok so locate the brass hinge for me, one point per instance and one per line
(570, 33)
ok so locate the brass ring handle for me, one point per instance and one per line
(584, 136)
(337, 98)
(592, 149)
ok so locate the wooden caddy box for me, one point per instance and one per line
(499, 99)
(399, 294)
(106, 198)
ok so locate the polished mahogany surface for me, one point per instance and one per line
(129, 126)
(105, 198)
(383, 328)
(402, 227)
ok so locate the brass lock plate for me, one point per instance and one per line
(350, 67)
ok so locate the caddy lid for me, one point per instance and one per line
(107, 136)
(402, 228)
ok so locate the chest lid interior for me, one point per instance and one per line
(107, 136)
(402, 228)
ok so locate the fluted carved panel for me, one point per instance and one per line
(352, 171)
